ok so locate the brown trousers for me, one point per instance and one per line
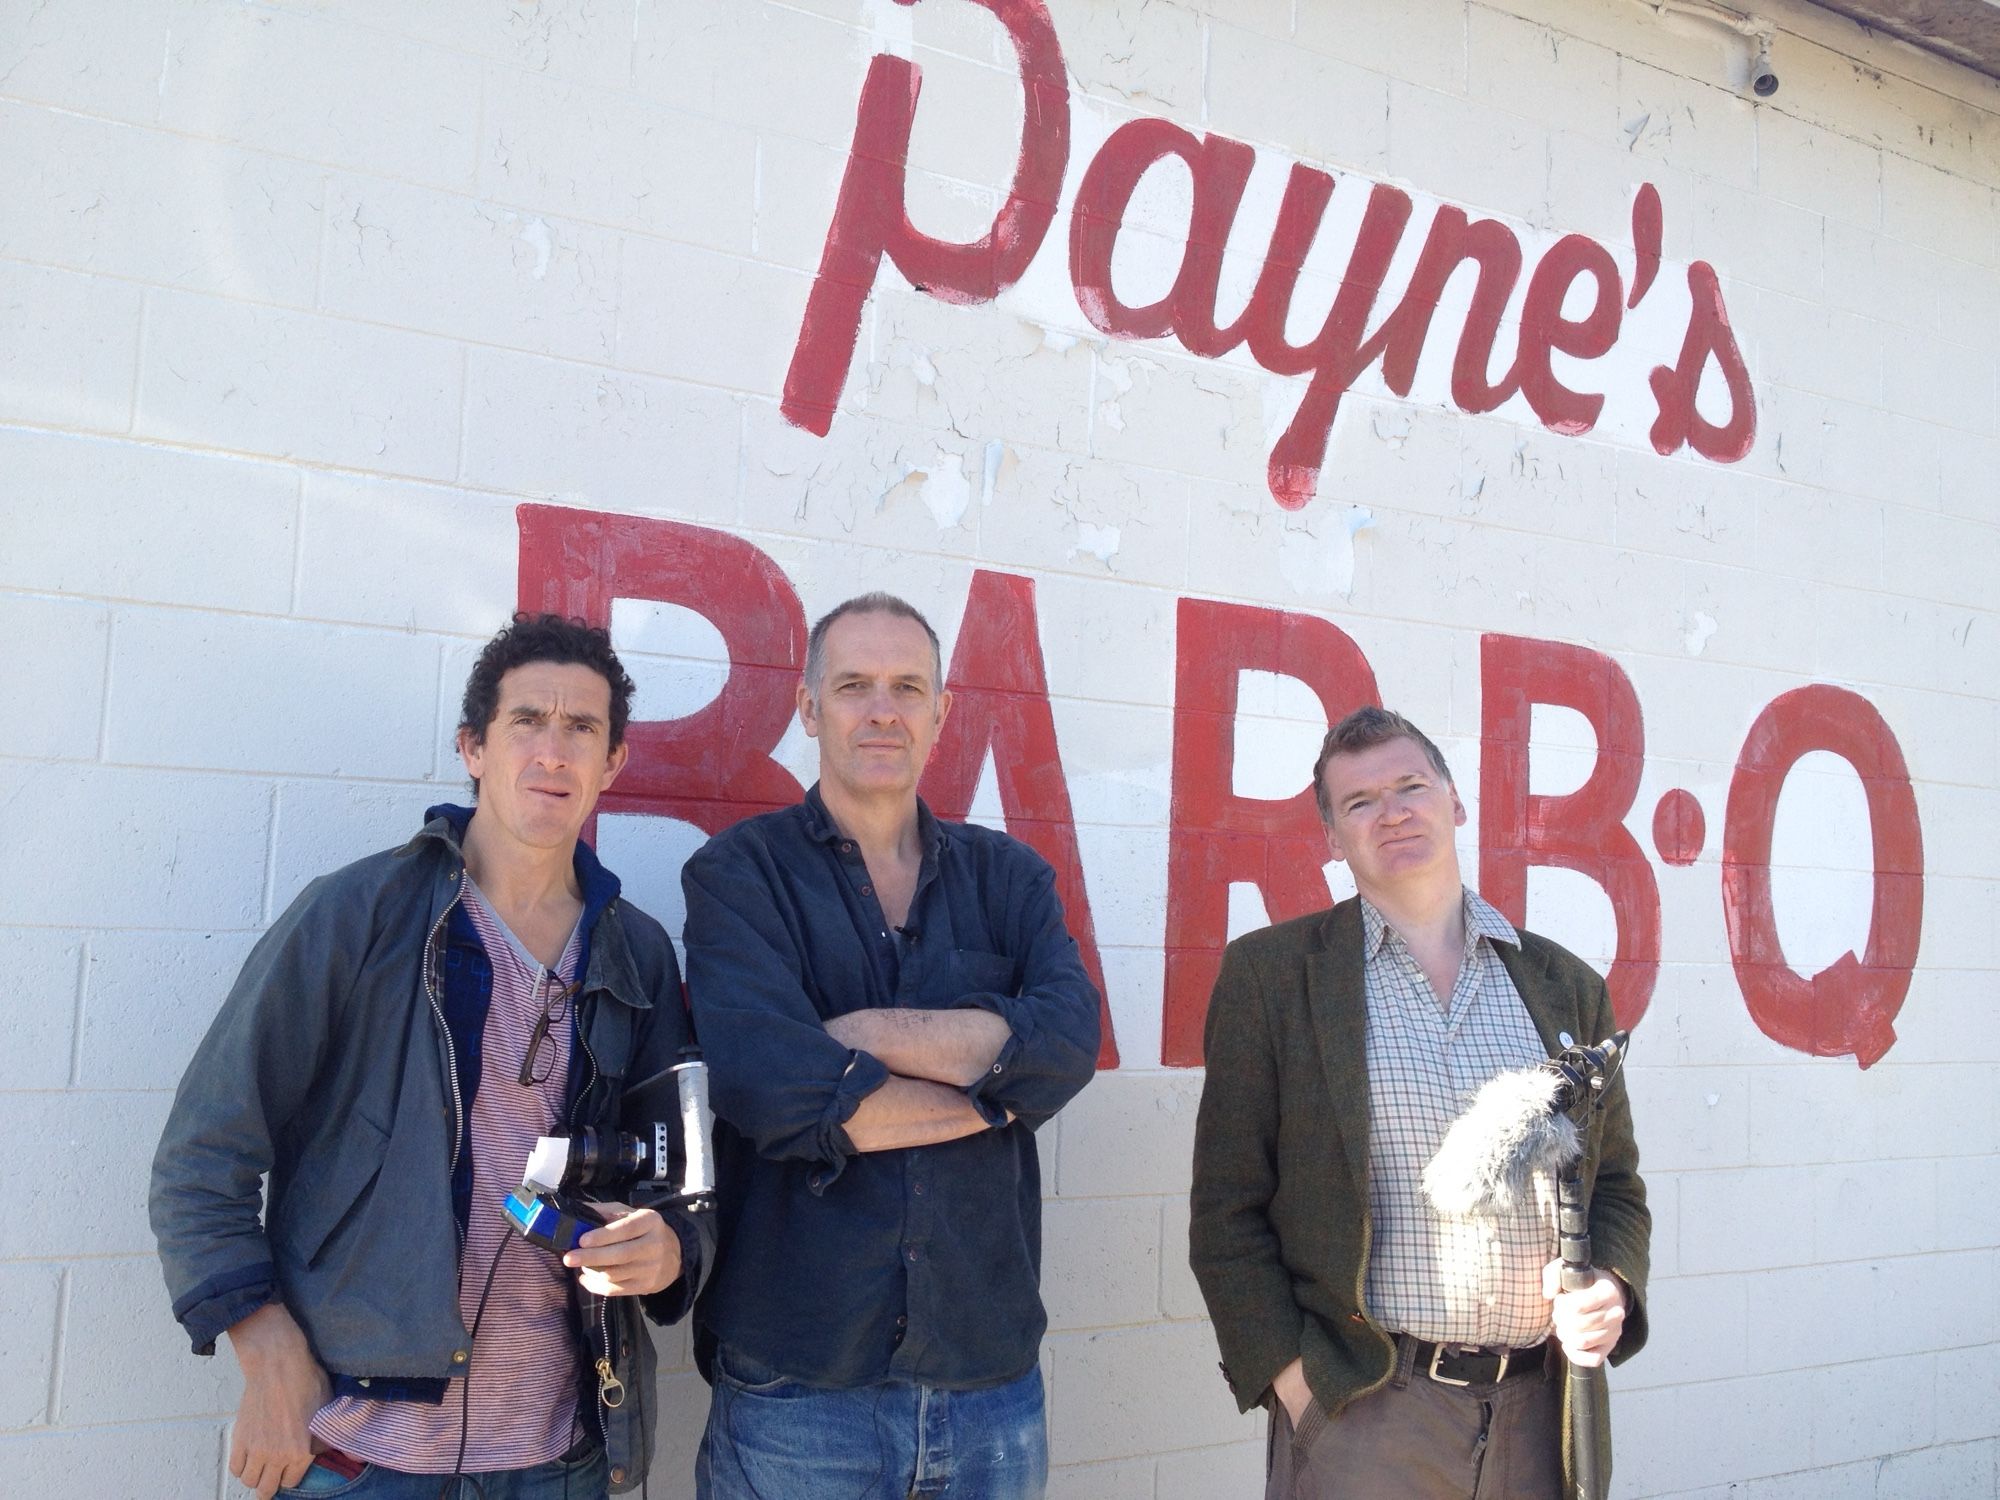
(1417, 1439)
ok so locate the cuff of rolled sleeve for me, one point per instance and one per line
(222, 1302)
(865, 1074)
(993, 1079)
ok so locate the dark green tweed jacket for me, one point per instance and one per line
(1280, 1229)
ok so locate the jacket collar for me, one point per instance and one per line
(1338, 1001)
(820, 826)
(608, 959)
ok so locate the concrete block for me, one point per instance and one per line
(1821, 535)
(68, 348)
(190, 849)
(1835, 1300)
(553, 146)
(1127, 1392)
(599, 437)
(413, 257)
(1120, 1479)
(1134, 979)
(1308, 105)
(1749, 1428)
(1748, 1220)
(1100, 1261)
(323, 825)
(1071, 514)
(1117, 759)
(253, 76)
(1128, 878)
(31, 1301)
(1964, 1471)
(1823, 1111)
(1690, 1118)
(295, 385)
(1966, 1380)
(556, 38)
(1936, 209)
(957, 134)
(1204, 1473)
(1880, 276)
(717, 319)
(1136, 52)
(1874, 1208)
(1425, 45)
(647, 853)
(879, 484)
(1129, 1133)
(125, 1359)
(115, 200)
(1926, 1303)
(1872, 1408)
(172, 1460)
(97, 57)
(1688, 123)
(142, 504)
(1241, 545)
(1943, 381)
(1466, 152)
(1180, 1294)
(311, 677)
(1819, 170)
(55, 661)
(1968, 296)
(776, 70)
(683, 1415)
(1813, 347)
(1757, 618)
(1567, 83)
(797, 183)
(1592, 181)
(43, 1021)
(148, 1000)
(1679, 510)
(1010, 379)
(1968, 1203)
(414, 556)
(1197, 417)
(1966, 464)
(89, 1139)
(1758, 240)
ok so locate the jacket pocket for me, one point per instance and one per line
(333, 1185)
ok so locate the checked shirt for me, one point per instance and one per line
(1450, 1280)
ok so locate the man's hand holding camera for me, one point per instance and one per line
(634, 1254)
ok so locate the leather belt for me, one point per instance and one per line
(1459, 1364)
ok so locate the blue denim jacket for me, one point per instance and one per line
(921, 1264)
(330, 1069)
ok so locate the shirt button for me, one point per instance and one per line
(910, 1253)
(846, 848)
(903, 1322)
(868, 890)
(458, 1356)
(617, 1476)
(917, 1188)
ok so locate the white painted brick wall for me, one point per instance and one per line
(299, 299)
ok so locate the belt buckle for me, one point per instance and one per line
(1438, 1352)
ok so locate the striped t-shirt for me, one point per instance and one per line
(523, 1370)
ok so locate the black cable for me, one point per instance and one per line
(449, 1489)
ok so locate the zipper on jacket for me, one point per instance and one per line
(444, 1027)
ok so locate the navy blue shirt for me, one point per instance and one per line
(923, 1264)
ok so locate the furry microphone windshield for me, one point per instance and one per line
(1514, 1127)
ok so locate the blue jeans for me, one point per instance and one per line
(560, 1479)
(770, 1438)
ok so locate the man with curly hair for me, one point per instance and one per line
(373, 1083)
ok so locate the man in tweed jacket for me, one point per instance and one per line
(1402, 1354)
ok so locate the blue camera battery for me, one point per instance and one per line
(543, 1222)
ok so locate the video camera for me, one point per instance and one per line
(549, 1208)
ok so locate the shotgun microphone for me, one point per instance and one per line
(1519, 1123)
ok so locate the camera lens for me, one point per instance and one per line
(601, 1159)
